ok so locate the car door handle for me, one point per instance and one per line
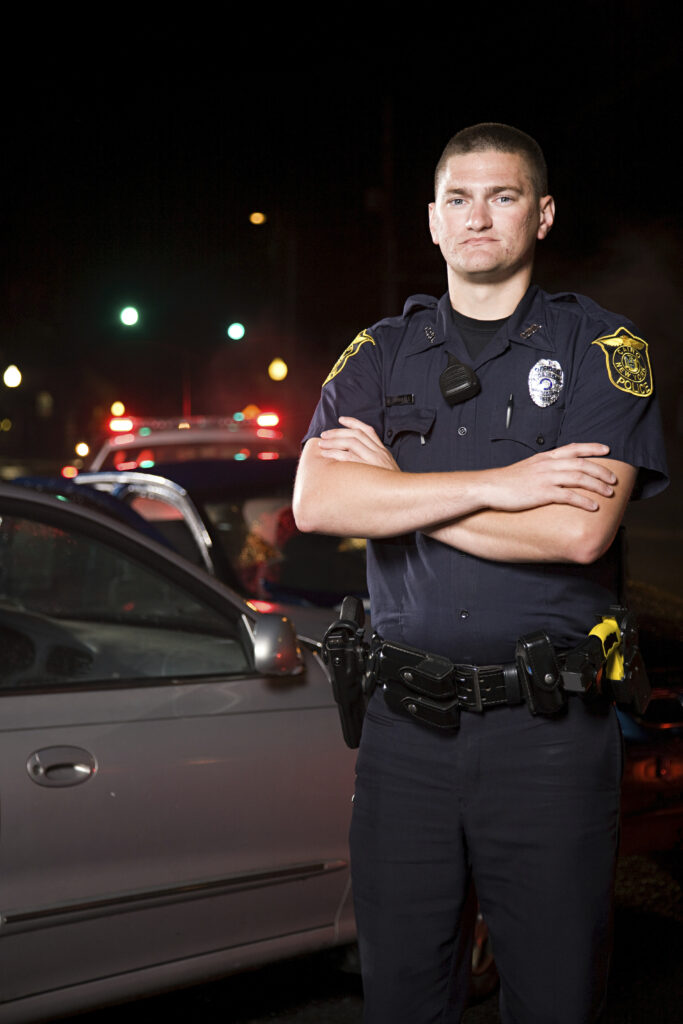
(61, 766)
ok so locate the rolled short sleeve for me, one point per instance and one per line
(612, 401)
(353, 387)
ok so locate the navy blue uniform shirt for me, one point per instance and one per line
(576, 372)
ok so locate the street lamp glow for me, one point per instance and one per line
(82, 449)
(129, 316)
(12, 376)
(257, 217)
(117, 408)
(278, 369)
(236, 331)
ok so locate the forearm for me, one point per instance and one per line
(353, 487)
(355, 499)
(553, 533)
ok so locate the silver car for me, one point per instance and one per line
(175, 792)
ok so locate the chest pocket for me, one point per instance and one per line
(406, 429)
(531, 430)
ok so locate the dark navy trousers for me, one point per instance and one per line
(524, 807)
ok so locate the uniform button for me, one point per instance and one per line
(390, 433)
(462, 431)
(464, 614)
(540, 439)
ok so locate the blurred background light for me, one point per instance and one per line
(278, 369)
(129, 316)
(12, 376)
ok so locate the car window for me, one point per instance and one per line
(76, 610)
(168, 520)
(272, 559)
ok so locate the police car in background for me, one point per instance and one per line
(140, 443)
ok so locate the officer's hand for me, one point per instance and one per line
(549, 478)
(355, 441)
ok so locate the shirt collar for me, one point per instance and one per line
(527, 325)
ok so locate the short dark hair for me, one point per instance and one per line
(505, 139)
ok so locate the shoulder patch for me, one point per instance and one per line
(628, 362)
(348, 352)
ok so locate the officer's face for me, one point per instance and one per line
(486, 218)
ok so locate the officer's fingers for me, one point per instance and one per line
(566, 496)
(585, 473)
(581, 449)
(567, 459)
(364, 428)
(352, 448)
(339, 455)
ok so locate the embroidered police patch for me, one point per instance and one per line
(546, 380)
(351, 350)
(628, 362)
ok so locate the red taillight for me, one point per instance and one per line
(69, 472)
(268, 456)
(262, 606)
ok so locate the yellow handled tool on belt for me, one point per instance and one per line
(609, 662)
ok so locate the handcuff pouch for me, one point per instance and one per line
(540, 674)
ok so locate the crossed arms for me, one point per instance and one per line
(563, 505)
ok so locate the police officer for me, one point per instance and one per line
(487, 444)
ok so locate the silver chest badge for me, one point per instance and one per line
(546, 380)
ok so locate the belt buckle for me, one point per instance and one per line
(468, 677)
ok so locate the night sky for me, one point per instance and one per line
(134, 154)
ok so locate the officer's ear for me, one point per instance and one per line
(547, 216)
(432, 223)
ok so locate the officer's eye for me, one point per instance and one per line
(504, 200)
(456, 201)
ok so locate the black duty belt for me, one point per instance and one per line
(475, 687)
(434, 690)
(605, 666)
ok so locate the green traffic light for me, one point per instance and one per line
(236, 331)
(129, 316)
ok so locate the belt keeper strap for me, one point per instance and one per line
(513, 690)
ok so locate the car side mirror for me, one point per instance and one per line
(276, 648)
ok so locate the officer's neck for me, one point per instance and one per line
(488, 299)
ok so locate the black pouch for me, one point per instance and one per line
(418, 684)
(540, 674)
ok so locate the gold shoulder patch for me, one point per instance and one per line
(628, 362)
(351, 350)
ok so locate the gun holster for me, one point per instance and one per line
(626, 677)
(346, 653)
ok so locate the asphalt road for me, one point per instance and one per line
(646, 985)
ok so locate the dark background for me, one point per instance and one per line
(136, 146)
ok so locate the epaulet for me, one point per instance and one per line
(413, 305)
(588, 307)
(416, 302)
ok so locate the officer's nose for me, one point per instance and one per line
(480, 216)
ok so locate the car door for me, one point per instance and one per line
(161, 802)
